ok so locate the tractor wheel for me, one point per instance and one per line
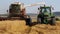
(39, 20)
(52, 21)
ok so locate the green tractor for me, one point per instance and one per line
(45, 15)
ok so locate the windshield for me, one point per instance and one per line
(45, 10)
(15, 8)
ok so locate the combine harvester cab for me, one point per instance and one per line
(16, 11)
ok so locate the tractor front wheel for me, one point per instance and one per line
(52, 21)
(39, 20)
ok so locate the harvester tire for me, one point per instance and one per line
(28, 20)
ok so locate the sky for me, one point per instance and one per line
(4, 5)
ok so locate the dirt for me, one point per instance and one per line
(20, 27)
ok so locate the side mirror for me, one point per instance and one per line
(7, 10)
(52, 8)
(38, 8)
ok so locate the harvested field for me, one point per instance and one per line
(19, 27)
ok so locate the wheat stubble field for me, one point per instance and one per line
(19, 27)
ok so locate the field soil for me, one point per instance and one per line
(20, 27)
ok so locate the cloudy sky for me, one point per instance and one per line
(4, 5)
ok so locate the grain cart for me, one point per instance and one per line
(45, 15)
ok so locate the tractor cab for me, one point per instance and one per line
(46, 10)
(45, 15)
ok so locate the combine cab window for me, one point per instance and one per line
(15, 8)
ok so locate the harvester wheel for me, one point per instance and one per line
(28, 20)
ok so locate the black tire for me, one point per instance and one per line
(28, 21)
(39, 20)
(52, 21)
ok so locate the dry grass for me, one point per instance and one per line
(12, 27)
(19, 27)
